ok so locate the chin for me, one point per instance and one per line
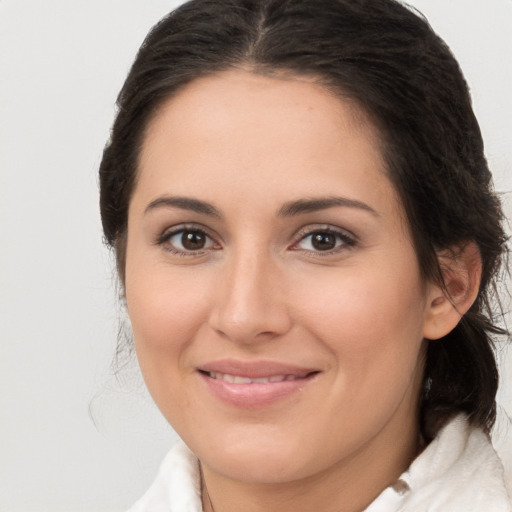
(260, 469)
(256, 459)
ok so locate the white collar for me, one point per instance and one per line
(458, 471)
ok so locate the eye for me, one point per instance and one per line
(187, 240)
(324, 240)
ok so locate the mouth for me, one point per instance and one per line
(254, 385)
(240, 379)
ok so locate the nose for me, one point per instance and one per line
(250, 303)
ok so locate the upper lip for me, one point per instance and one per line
(255, 369)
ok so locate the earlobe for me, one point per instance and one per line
(461, 269)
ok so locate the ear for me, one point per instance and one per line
(461, 269)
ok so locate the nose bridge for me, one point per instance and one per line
(249, 303)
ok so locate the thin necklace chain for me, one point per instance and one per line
(204, 488)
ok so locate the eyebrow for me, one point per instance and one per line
(289, 209)
(302, 206)
(184, 203)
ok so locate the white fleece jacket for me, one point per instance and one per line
(459, 471)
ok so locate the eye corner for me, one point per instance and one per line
(187, 240)
(323, 240)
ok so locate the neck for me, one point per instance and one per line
(349, 486)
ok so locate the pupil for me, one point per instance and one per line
(193, 240)
(324, 241)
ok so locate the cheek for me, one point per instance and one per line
(166, 312)
(165, 316)
(373, 331)
(158, 307)
(371, 321)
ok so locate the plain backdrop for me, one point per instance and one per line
(74, 436)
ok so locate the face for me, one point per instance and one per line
(274, 293)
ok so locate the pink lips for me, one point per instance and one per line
(254, 384)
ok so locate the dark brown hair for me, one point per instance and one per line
(387, 58)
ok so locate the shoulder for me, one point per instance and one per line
(177, 485)
(502, 441)
(458, 471)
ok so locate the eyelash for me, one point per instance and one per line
(164, 240)
(344, 241)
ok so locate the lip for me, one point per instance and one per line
(255, 394)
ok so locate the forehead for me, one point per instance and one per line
(272, 136)
(220, 101)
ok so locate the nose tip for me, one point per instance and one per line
(250, 304)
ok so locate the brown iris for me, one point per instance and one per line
(323, 241)
(193, 240)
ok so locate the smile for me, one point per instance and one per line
(238, 379)
(254, 385)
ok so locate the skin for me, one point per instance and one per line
(260, 290)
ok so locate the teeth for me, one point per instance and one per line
(237, 379)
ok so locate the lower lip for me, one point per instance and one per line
(255, 394)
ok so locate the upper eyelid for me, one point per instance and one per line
(349, 240)
(164, 236)
(315, 228)
(164, 241)
(190, 226)
(299, 234)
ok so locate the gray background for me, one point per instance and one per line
(61, 65)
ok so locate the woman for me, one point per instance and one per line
(307, 238)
